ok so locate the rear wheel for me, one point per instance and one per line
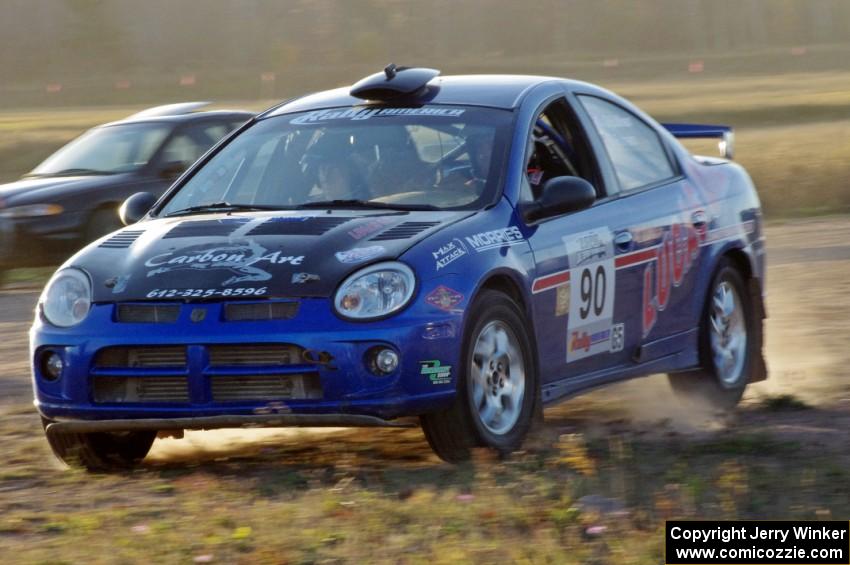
(728, 345)
(101, 451)
(497, 388)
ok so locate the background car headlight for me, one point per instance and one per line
(31, 211)
(66, 299)
(375, 291)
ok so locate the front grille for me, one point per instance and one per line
(265, 387)
(260, 311)
(107, 390)
(234, 372)
(256, 355)
(147, 313)
(141, 357)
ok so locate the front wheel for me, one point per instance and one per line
(101, 451)
(497, 388)
(728, 345)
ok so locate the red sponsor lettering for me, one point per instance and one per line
(680, 244)
(673, 259)
(649, 310)
(662, 273)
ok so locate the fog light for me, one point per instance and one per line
(52, 366)
(383, 361)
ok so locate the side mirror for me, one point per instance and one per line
(135, 207)
(560, 195)
(172, 169)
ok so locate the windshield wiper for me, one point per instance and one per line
(354, 203)
(220, 207)
(70, 173)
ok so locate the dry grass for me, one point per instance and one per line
(380, 497)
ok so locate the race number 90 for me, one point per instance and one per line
(593, 292)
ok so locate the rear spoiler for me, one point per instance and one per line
(725, 134)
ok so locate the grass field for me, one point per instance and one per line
(381, 498)
(593, 486)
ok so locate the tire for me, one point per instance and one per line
(719, 384)
(101, 451)
(496, 403)
(101, 222)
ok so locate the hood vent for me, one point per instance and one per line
(310, 225)
(122, 239)
(206, 228)
(404, 231)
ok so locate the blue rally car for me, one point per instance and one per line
(461, 249)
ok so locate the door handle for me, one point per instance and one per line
(623, 240)
(699, 219)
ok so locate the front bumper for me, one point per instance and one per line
(350, 393)
(218, 422)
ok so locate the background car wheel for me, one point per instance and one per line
(497, 388)
(100, 223)
(101, 451)
(728, 345)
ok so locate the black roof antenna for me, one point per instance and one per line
(394, 82)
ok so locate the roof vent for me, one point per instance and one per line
(394, 82)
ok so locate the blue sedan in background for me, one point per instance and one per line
(460, 249)
(71, 198)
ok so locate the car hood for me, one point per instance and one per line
(289, 254)
(40, 189)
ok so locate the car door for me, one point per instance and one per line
(579, 306)
(659, 242)
(594, 292)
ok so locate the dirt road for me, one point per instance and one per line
(807, 346)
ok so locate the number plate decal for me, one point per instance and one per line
(592, 289)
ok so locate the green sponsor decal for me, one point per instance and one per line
(438, 373)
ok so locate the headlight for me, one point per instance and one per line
(66, 299)
(31, 211)
(375, 291)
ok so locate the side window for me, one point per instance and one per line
(636, 152)
(557, 148)
(188, 144)
(217, 131)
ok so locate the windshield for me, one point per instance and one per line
(106, 150)
(426, 157)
